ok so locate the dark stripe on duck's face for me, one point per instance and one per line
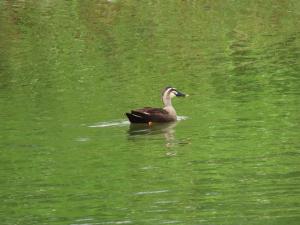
(167, 91)
(170, 90)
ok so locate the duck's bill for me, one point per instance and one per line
(179, 94)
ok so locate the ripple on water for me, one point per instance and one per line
(151, 192)
(121, 123)
(107, 222)
(113, 123)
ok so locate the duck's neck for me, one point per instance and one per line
(167, 101)
(168, 105)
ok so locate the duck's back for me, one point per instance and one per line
(149, 114)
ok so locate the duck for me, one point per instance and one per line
(149, 115)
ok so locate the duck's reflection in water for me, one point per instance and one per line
(165, 130)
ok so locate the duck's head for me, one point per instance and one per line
(170, 92)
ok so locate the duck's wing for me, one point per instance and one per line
(150, 110)
(134, 118)
(148, 114)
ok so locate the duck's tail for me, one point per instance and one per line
(137, 117)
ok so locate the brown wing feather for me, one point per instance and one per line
(153, 114)
(150, 110)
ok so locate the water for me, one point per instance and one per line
(69, 70)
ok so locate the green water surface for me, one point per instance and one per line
(70, 69)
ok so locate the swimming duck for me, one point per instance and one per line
(159, 115)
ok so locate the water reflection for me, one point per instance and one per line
(165, 130)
